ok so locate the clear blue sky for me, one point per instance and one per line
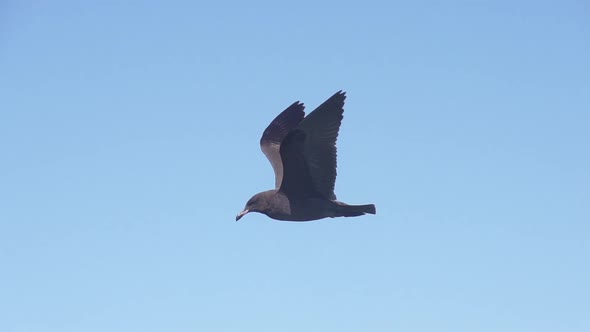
(129, 141)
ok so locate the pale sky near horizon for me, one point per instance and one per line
(129, 141)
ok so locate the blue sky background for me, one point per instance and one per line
(129, 141)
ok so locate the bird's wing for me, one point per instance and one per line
(320, 129)
(273, 135)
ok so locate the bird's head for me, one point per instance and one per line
(258, 203)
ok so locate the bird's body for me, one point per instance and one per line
(302, 152)
(276, 205)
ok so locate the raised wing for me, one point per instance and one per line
(319, 147)
(273, 135)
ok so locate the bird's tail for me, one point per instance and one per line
(345, 210)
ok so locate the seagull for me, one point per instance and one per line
(302, 152)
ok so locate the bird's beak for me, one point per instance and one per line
(241, 214)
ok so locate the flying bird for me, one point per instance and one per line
(302, 152)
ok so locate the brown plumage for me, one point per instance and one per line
(302, 152)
